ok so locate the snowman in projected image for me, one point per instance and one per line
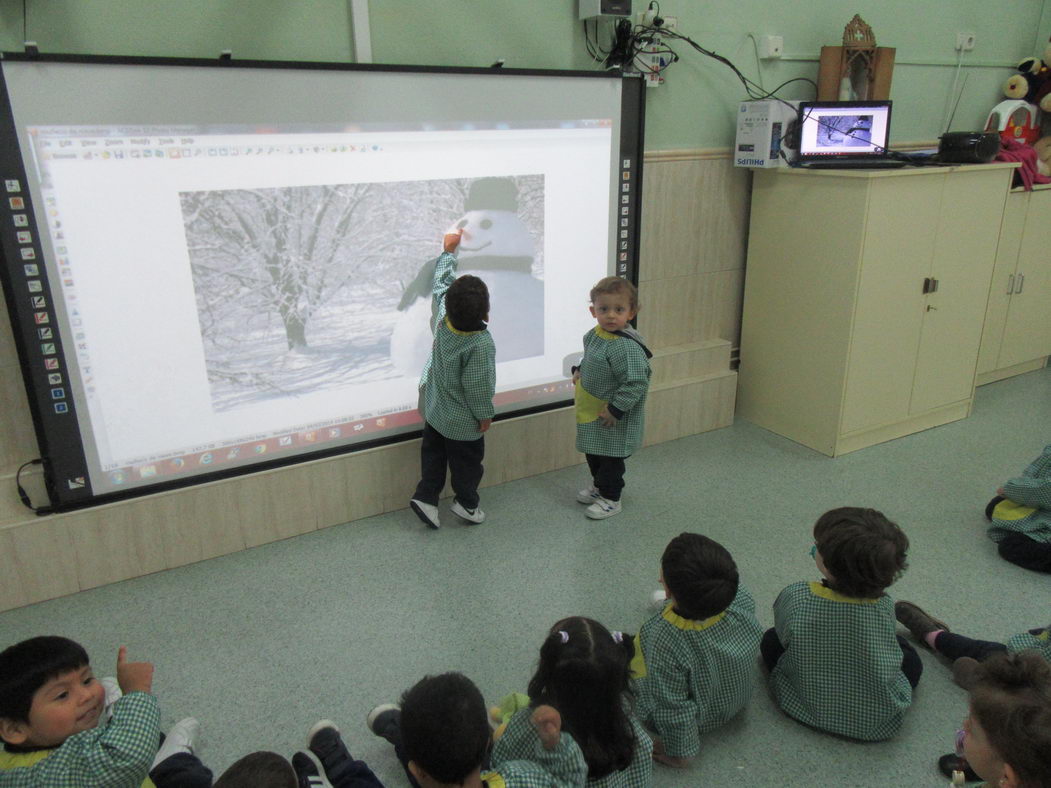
(498, 248)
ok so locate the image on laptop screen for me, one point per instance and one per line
(830, 130)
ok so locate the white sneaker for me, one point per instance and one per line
(475, 515)
(182, 737)
(310, 772)
(426, 512)
(588, 494)
(602, 508)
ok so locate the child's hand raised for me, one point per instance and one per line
(133, 676)
(548, 724)
(452, 241)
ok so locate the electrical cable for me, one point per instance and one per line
(952, 90)
(23, 496)
(758, 65)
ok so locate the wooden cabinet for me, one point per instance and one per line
(865, 295)
(1017, 335)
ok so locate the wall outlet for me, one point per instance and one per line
(964, 42)
(667, 22)
(771, 47)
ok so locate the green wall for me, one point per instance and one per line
(694, 109)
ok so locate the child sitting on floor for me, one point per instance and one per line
(1006, 738)
(62, 726)
(1021, 516)
(442, 737)
(966, 652)
(694, 665)
(584, 673)
(834, 658)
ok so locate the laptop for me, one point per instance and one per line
(845, 135)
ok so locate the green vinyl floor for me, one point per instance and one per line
(261, 644)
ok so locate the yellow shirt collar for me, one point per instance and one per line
(817, 588)
(451, 327)
(689, 624)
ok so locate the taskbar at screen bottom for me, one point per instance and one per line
(306, 441)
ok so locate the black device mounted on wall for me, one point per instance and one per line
(968, 147)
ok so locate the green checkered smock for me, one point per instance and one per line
(614, 371)
(692, 676)
(460, 375)
(1038, 640)
(115, 755)
(1027, 509)
(519, 741)
(841, 670)
(562, 767)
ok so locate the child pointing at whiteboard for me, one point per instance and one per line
(459, 382)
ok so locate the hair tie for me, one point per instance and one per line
(564, 636)
(618, 637)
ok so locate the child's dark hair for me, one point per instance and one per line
(467, 303)
(27, 666)
(259, 770)
(1012, 702)
(862, 550)
(584, 673)
(612, 285)
(445, 726)
(701, 575)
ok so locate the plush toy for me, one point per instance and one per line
(1043, 155)
(501, 714)
(1032, 83)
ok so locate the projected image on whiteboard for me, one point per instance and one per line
(308, 288)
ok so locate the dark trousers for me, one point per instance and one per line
(1019, 549)
(771, 648)
(181, 770)
(955, 646)
(1027, 553)
(463, 460)
(608, 474)
(392, 733)
(341, 768)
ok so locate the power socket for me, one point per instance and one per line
(771, 47)
(964, 42)
(649, 16)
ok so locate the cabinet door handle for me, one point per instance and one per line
(1010, 284)
(934, 285)
(1021, 283)
(928, 285)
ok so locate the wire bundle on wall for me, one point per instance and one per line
(629, 42)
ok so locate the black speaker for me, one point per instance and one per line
(969, 147)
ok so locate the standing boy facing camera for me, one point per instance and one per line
(611, 385)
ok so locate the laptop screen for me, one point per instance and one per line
(843, 129)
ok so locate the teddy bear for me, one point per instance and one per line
(1043, 155)
(1032, 83)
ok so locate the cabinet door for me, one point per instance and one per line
(1027, 334)
(967, 233)
(1003, 281)
(899, 247)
